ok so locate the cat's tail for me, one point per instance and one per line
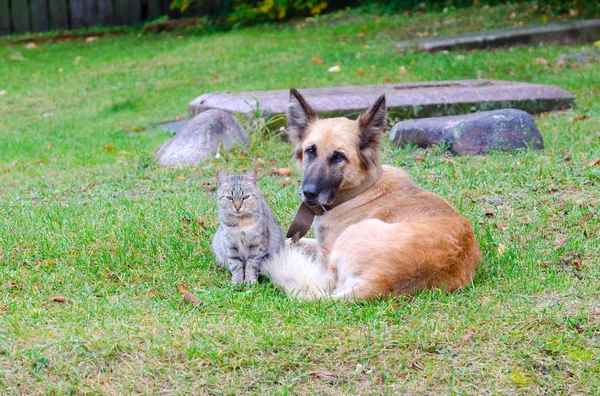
(298, 274)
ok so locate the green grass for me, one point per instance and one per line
(106, 228)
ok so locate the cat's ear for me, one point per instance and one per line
(299, 116)
(251, 177)
(222, 177)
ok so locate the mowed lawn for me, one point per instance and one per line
(85, 214)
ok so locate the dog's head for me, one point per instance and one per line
(336, 154)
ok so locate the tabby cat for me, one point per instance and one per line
(247, 234)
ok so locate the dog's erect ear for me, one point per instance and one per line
(299, 116)
(251, 177)
(222, 177)
(371, 124)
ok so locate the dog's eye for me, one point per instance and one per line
(338, 157)
(311, 151)
(245, 197)
(229, 197)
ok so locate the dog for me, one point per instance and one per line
(378, 233)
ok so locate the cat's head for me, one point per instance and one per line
(237, 194)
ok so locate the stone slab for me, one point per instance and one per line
(476, 133)
(549, 33)
(411, 100)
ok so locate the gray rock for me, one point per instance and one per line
(200, 139)
(475, 133)
(581, 57)
(411, 100)
(549, 33)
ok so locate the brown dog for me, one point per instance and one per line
(378, 233)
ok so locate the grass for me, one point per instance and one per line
(87, 215)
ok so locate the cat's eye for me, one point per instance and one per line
(229, 197)
(245, 197)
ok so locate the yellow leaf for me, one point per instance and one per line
(501, 250)
(317, 60)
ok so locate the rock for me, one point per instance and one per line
(410, 100)
(201, 138)
(475, 133)
(549, 33)
(580, 57)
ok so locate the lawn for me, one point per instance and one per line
(87, 215)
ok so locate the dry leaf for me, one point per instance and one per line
(13, 285)
(415, 366)
(187, 296)
(285, 181)
(317, 60)
(110, 149)
(4, 308)
(1, 254)
(501, 226)
(156, 294)
(208, 187)
(594, 163)
(31, 46)
(179, 118)
(402, 70)
(334, 69)
(489, 214)
(373, 67)
(468, 337)
(501, 249)
(420, 159)
(541, 61)
(283, 171)
(180, 177)
(325, 375)
(123, 152)
(91, 39)
(360, 71)
(560, 242)
(61, 299)
(449, 161)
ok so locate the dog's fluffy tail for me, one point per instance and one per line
(300, 275)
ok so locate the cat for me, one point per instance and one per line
(248, 233)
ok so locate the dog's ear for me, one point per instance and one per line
(371, 124)
(299, 116)
(251, 177)
(222, 178)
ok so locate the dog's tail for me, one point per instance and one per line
(298, 274)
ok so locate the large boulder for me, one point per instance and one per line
(476, 133)
(201, 138)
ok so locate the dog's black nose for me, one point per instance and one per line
(310, 191)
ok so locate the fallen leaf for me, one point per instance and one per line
(449, 161)
(560, 242)
(334, 69)
(187, 296)
(1, 254)
(317, 60)
(179, 118)
(283, 171)
(468, 337)
(415, 366)
(501, 249)
(360, 71)
(91, 39)
(594, 163)
(501, 226)
(110, 149)
(420, 159)
(215, 76)
(3, 92)
(4, 308)
(489, 214)
(61, 299)
(402, 70)
(586, 217)
(373, 67)
(123, 152)
(566, 159)
(285, 181)
(180, 177)
(31, 46)
(325, 375)
(13, 285)
(208, 187)
(387, 80)
(541, 61)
